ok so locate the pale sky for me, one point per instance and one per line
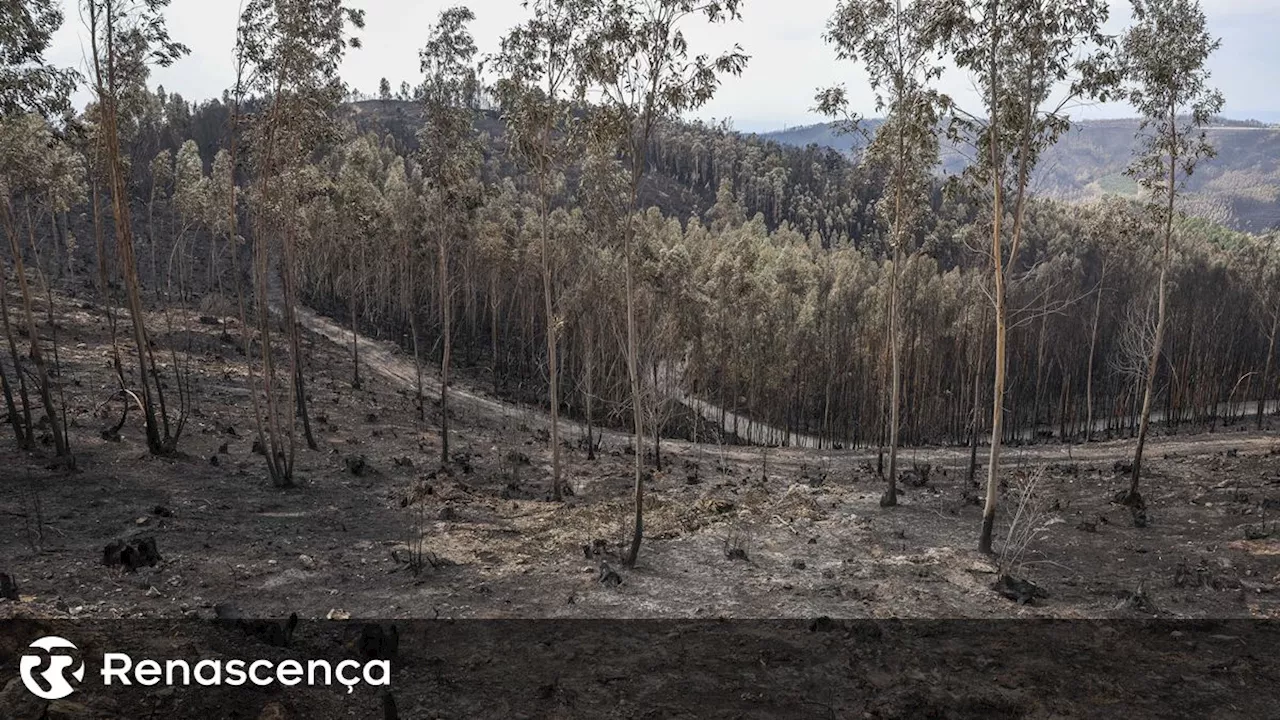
(788, 63)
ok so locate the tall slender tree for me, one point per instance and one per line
(540, 84)
(126, 37)
(28, 84)
(1164, 56)
(897, 44)
(637, 58)
(28, 171)
(291, 50)
(451, 160)
(1019, 53)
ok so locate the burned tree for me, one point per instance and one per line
(451, 157)
(1164, 56)
(637, 59)
(291, 50)
(898, 46)
(126, 37)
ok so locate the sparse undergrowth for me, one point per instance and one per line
(378, 528)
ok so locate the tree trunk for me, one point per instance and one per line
(1001, 324)
(658, 422)
(977, 408)
(493, 333)
(589, 372)
(33, 335)
(295, 346)
(1039, 388)
(447, 349)
(22, 427)
(156, 444)
(14, 420)
(553, 378)
(417, 363)
(1133, 497)
(355, 334)
(890, 497)
(151, 237)
(1088, 382)
(53, 325)
(1265, 395)
(997, 411)
(633, 374)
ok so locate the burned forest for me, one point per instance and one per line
(526, 337)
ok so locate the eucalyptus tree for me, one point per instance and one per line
(539, 86)
(87, 133)
(1020, 54)
(290, 52)
(1264, 260)
(191, 187)
(26, 147)
(602, 197)
(1164, 56)
(66, 191)
(126, 37)
(188, 202)
(161, 171)
(402, 193)
(221, 196)
(358, 202)
(28, 83)
(59, 187)
(637, 61)
(451, 157)
(191, 194)
(897, 44)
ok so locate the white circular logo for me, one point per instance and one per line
(55, 685)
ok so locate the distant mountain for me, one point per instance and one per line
(1239, 187)
(1266, 116)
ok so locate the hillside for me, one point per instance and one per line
(814, 190)
(377, 530)
(1240, 187)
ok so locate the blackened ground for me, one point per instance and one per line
(379, 529)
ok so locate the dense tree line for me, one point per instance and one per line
(567, 237)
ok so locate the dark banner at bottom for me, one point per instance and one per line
(312, 670)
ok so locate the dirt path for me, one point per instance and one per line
(388, 360)
(751, 430)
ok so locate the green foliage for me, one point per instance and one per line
(1164, 62)
(639, 61)
(451, 153)
(1020, 54)
(27, 82)
(897, 45)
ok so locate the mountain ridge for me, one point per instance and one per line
(1240, 187)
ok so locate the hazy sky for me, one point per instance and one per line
(788, 63)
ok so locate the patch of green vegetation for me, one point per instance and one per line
(1118, 184)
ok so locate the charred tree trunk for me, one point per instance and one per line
(1133, 497)
(1265, 396)
(1093, 345)
(21, 422)
(33, 336)
(446, 313)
